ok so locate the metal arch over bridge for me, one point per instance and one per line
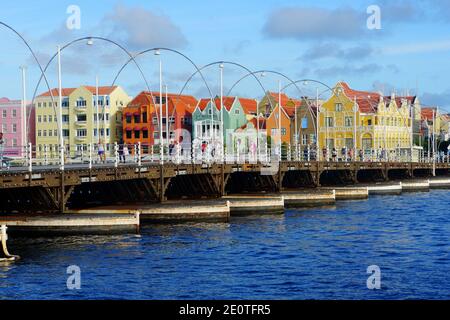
(48, 189)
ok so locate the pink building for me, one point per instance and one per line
(12, 128)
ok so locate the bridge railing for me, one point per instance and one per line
(92, 155)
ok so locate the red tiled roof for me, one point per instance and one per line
(262, 124)
(249, 105)
(367, 101)
(181, 104)
(55, 92)
(284, 98)
(427, 113)
(102, 91)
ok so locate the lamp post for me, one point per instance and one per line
(221, 67)
(61, 146)
(161, 139)
(167, 116)
(279, 117)
(23, 112)
(317, 125)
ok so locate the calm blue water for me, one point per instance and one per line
(306, 254)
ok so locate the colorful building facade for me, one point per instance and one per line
(84, 121)
(141, 119)
(365, 120)
(237, 112)
(16, 133)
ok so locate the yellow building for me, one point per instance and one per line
(365, 119)
(81, 126)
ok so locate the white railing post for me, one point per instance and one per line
(116, 154)
(90, 156)
(61, 157)
(45, 154)
(139, 154)
(135, 153)
(30, 158)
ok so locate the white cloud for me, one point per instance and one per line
(315, 23)
(418, 47)
(138, 28)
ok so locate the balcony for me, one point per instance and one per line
(80, 108)
(81, 138)
(81, 124)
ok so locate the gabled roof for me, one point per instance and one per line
(181, 104)
(399, 100)
(249, 105)
(276, 96)
(102, 91)
(366, 100)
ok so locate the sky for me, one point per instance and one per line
(328, 41)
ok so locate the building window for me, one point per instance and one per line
(237, 111)
(81, 102)
(65, 118)
(81, 118)
(304, 139)
(329, 122)
(304, 123)
(137, 134)
(4, 114)
(14, 128)
(81, 133)
(156, 135)
(348, 121)
(145, 134)
(39, 133)
(45, 118)
(39, 119)
(283, 131)
(137, 118)
(128, 119)
(338, 107)
(14, 142)
(128, 134)
(369, 122)
(50, 133)
(144, 117)
(45, 133)
(14, 113)
(55, 133)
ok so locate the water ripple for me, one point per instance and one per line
(320, 253)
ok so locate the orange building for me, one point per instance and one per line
(141, 119)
